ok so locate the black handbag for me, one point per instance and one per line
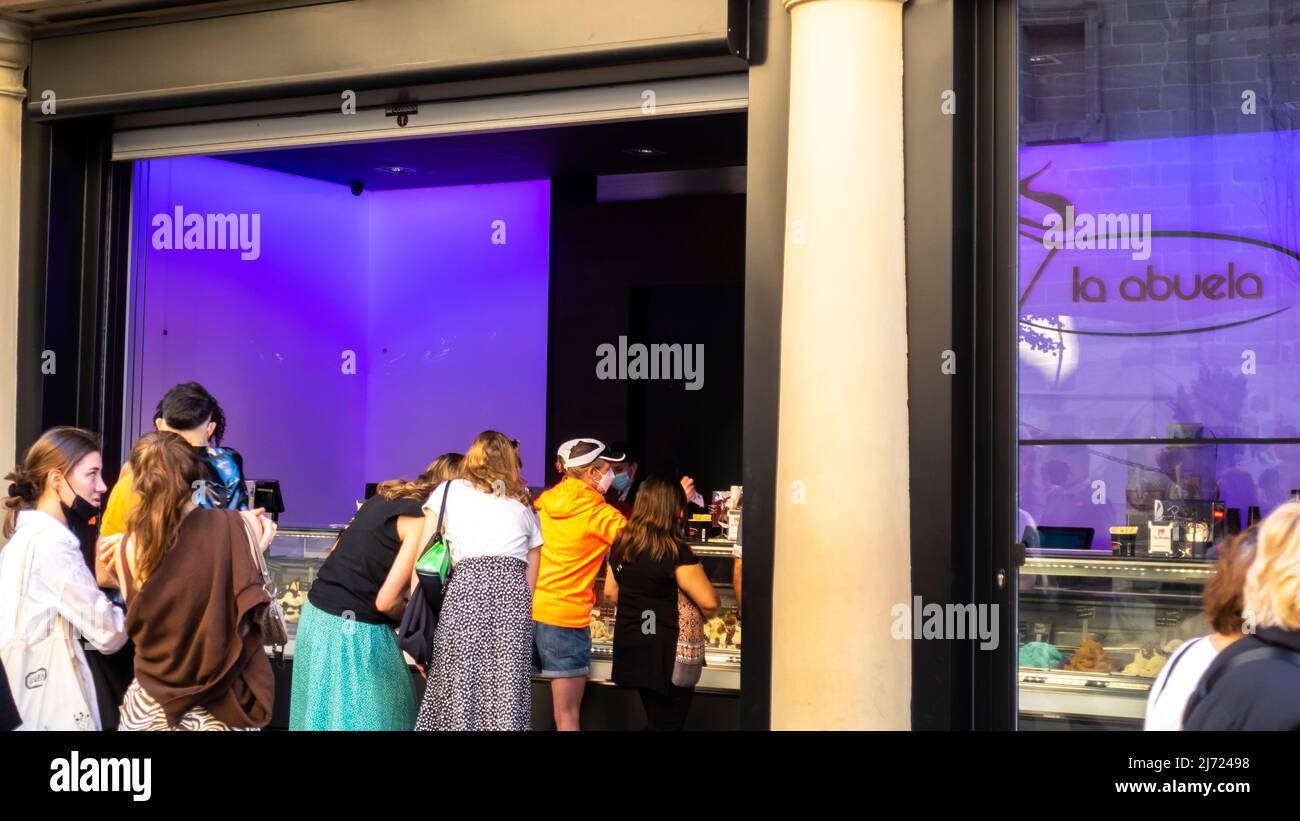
(420, 619)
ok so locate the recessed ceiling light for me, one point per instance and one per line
(395, 169)
(644, 152)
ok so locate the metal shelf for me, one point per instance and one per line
(1104, 567)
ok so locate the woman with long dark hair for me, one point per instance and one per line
(348, 672)
(648, 564)
(49, 599)
(479, 674)
(193, 586)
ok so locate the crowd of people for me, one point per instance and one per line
(168, 585)
(171, 578)
(1246, 674)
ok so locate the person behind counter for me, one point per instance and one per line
(478, 677)
(1252, 684)
(623, 487)
(578, 526)
(1180, 675)
(49, 599)
(193, 588)
(648, 564)
(737, 559)
(348, 672)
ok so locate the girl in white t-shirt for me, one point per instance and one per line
(480, 673)
(1223, 605)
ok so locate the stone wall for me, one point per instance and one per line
(1095, 70)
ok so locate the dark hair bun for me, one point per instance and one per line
(20, 488)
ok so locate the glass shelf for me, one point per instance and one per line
(1117, 568)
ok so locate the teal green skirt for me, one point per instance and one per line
(348, 675)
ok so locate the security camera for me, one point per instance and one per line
(357, 187)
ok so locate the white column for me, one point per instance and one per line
(842, 531)
(15, 50)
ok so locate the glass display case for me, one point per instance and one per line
(1094, 632)
(294, 558)
(296, 554)
(722, 633)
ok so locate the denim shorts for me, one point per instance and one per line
(561, 652)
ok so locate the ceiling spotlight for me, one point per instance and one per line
(395, 169)
(644, 152)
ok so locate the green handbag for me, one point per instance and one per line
(436, 558)
(433, 568)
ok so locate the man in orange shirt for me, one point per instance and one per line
(578, 526)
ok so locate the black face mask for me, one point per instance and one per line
(79, 513)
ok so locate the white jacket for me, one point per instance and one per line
(60, 587)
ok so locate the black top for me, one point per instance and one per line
(1254, 695)
(644, 649)
(352, 575)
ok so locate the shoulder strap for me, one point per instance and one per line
(442, 510)
(1173, 662)
(1208, 681)
(22, 586)
(259, 561)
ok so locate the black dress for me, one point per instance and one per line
(645, 645)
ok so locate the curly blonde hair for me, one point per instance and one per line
(1272, 592)
(492, 465)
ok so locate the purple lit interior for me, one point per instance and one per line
(1130, 368)
(448, 327)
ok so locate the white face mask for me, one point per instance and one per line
(606, 479)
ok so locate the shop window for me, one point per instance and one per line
(1159, 303)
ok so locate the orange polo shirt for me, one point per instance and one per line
(578, 526)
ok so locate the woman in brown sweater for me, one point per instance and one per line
(193, 589)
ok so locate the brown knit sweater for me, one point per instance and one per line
(196, 641)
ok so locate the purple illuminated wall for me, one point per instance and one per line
(456, 324)
(1114, 347)
(447, 329)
